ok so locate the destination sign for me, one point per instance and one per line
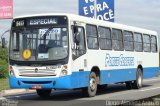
(43, 21)
(40, 21)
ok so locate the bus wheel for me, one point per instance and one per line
(44, 92)
(139, 79)
(129, 85)
(91, 90)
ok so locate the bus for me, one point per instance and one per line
(66, 51)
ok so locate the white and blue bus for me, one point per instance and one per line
(65, 51)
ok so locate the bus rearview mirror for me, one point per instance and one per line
(3, 42)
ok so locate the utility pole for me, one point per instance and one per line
(95, 9)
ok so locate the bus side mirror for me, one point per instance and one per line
(3, 42)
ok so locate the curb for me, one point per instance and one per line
(15, 91)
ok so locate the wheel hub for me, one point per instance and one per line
(140, 80)
(92, 84)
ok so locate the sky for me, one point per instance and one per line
(139, 13)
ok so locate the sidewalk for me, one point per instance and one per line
(15, 91)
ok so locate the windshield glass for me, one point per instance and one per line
(39, 44)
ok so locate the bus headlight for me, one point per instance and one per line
(63, 73)
(11, 72)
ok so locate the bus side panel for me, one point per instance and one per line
(118, 75)
(150, 72)
(122, 75)
(80, 79)
(104, 77)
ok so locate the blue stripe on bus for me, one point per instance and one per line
(81, 79)
(123, 75)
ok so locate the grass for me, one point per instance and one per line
(4, 84)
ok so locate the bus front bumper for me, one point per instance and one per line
(41, 83)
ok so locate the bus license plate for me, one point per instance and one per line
(36, 87)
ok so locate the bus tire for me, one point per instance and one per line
(91, 90)
(129, 85)
(102, 87)
(44, 92)
(138, 83)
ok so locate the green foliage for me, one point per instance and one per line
(3, 62)
(4, 84)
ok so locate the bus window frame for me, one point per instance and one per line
(156, 44)
(105, 38)
(117, 39)
(144, 34)
(137, 41)
(129, 41)
(97, 36)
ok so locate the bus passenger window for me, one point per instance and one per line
(105, 42)
(138, 42)
(153, 43)
(117, 39)
(92, 36)
(146, 43)
(128, 41)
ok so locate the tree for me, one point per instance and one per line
(3, 62)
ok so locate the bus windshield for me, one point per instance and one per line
(39, 44)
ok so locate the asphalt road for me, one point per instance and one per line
(75, 97)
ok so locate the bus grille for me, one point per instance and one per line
(36, 73)
(37, 82)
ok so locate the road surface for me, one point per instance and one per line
(75, 97)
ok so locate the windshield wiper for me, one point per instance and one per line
(45, 34)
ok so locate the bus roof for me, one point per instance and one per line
(87, 20)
